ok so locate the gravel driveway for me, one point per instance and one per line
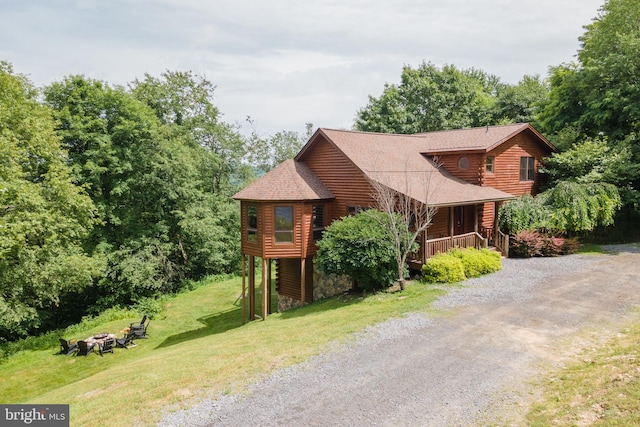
(470, 366)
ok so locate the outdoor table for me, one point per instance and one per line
(99, 338)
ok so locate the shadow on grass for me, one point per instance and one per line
(324, 305)
(621, 248)
(213, 324)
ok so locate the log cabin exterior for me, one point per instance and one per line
(465, 174)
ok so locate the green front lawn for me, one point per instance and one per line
(197, 345)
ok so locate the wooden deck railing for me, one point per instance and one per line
(496, 238)
(501, 241)
(444, 244)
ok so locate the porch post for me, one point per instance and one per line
(252, 287)
(475, 217)
(265, 292)
(269, 284)
(303, 276)
(244, 288)
(451, 220)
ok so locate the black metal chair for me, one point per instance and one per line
(85, 348)
(141, 331)
(106, 346)
(126, 341)
(67, 347)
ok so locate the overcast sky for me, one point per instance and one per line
(288, 62)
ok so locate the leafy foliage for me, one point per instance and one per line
(460, 264)
(43, 215)
(267, 153)
(523, 213)
(360, 247)
(443, 268)
(478, 262)
(576, 207)
(527, 244)
(594, 103)
(569, 207)
(431, 99)
(158, 165)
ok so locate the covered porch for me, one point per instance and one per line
(465, 226)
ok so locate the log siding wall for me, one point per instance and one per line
(340, 176)
(472, 173)
(288, 278)
(303, 244)
(506, 175)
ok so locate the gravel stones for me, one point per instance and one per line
(444, 370)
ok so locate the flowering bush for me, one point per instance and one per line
(527, 244)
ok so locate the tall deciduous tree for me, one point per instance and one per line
(43, 215)
(184, 101)
(430, 99)
(520, 103)
(266, 153)
(599, 95)
(156, 179)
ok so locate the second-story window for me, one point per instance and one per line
(489, 164)
(252, 223)
(318, 222)
(527, 168)
(284, 224)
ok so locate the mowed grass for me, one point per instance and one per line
(197, 346)
(602, 389)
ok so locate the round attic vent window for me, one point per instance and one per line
(463, 163)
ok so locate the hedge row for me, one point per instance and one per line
(460, 264)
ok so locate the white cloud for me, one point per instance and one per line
(287, 62)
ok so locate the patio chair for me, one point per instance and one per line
(140, 331)
(138, 325)
(67, 347)
(85, 348)
(126, 341)
(106, 346)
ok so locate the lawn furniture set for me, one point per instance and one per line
(105, 342)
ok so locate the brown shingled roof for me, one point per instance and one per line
(399, 161)
(483, 138)
(289, 181)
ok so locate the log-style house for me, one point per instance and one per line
(465, 174)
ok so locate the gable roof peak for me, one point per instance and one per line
(289, 181)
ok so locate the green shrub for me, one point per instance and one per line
(478, 262)
(360, 247)
(443, 268)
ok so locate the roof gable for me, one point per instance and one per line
(290, 181)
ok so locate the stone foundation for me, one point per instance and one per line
(324, 286)
(287, 303)
(328, 285)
